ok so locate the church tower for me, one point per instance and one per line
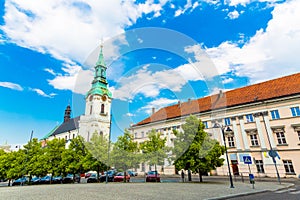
(97, 104)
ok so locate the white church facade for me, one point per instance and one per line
(96, 118)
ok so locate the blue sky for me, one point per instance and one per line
(157, 52)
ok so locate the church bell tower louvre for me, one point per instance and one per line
(96, 118)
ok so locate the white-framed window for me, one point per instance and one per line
(295, 111)
(254, 140)
(227, 121)
(249, 118)
(205, 124)
(230, 141)
(275, 114)
(288, 166)
(259, 166)
(280, 138)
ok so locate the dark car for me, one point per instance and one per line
(92, 178)
(46, 180)
(153, 176)
(71, 178)
(57, 179)
(110, 176)
(20, 181)
(35, 180)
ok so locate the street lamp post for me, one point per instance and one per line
(272, 152)
(226, 153)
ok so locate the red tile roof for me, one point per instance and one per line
(281, 87)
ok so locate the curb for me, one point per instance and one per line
(251, 193)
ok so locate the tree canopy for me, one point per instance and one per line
(202, 154)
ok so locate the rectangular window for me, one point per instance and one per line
(275, 114)
(288, 166)
(227, 121)
(142, 134)
(280, 138)
(260, 166)
(249, 118)
(230, 141)
(254, 140)
(295, 111)
(298, 134)
(205, 124)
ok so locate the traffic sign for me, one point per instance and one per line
(247, 159)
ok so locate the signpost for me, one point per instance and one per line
(248, 161)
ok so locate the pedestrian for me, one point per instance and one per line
(182, 175)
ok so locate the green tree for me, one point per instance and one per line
(53, 156)
(125, 153)
(15, 163)
(154, 149)
(97, 157)
(73, 156)
(34, 159)
(3, 164)
(203, 153)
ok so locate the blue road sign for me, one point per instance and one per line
(247, 159)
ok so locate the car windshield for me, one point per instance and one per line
(152, 173)
(120, 174)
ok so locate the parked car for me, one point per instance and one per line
(110, 174)
(89, 173)
(71, 178)
(152, 176)
(132, 173)
(20, 181)
(57, 179)
(119, 177)
(35, 180)
(45, 180)
(92, 178)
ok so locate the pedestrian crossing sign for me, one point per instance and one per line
(247, 159)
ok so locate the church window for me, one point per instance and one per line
(102, 108)
(91, 109)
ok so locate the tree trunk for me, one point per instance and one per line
(155, 172)
(98, 171)
(200, 176)
(189, 175)
(8, 182)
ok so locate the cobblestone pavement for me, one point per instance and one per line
(118, 191)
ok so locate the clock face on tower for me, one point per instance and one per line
(103, 98)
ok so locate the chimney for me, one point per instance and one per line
(153, 110)
(220, 94)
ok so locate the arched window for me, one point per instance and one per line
(91, 109)
(102, 108)
(101, 133)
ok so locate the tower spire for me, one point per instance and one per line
(99, 84)
(67, 115)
